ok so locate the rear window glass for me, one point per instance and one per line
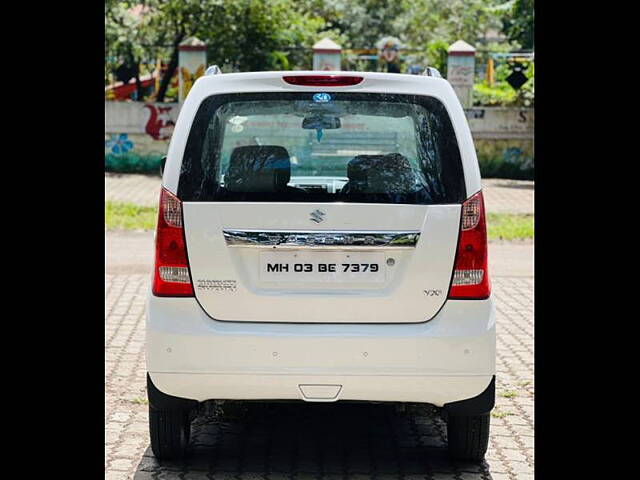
(322, 147)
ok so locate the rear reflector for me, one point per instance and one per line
(323, 80)
(171, 276)
(470, 276)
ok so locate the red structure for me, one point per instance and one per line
(119, 91)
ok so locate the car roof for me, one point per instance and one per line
(268, 81)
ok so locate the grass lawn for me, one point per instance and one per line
(508, 226)
(127, 216)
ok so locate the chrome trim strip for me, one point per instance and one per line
(321, 239)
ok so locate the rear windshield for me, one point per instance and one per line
(322, 147)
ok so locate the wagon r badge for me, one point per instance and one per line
(317, 216)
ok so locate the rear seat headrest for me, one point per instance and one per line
(357, 167)
(258, 168)
(390, 173)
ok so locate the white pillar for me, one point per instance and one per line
(461, 65)
(326, 55)
(192, 61)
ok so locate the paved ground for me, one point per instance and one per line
(508, 196)
(133, 188)
(501, 196)
(310, 441)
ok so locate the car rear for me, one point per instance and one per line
(321, 238)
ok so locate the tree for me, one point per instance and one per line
(426, 27)
(254, 35)
(429, 26)
(241, 35)
(125, 36)
(518, 24)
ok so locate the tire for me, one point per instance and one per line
(169, 431)
(468, 436)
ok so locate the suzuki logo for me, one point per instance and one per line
(317, 216)
(322, 98)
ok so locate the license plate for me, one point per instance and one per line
(322, 267)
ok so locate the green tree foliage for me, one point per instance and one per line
(518, 23)
(365, 22)
(501, 93)
(257, 35)
(426, 27)
(430, 26)
(125, 37)
(254, 35)
(241, 35)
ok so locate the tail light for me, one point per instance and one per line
(323, 80)
(171, 276)
(470, 273)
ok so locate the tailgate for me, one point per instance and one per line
(362, 263)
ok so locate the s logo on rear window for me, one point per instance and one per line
(322, 98)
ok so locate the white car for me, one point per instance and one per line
(321, 237)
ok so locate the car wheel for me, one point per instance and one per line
(169, 431)
(468, 436)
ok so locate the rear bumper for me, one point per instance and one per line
(448, 359)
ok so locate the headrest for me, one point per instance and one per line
(258, 168)
(391, 173)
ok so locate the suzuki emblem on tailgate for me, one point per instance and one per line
(317, 216)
